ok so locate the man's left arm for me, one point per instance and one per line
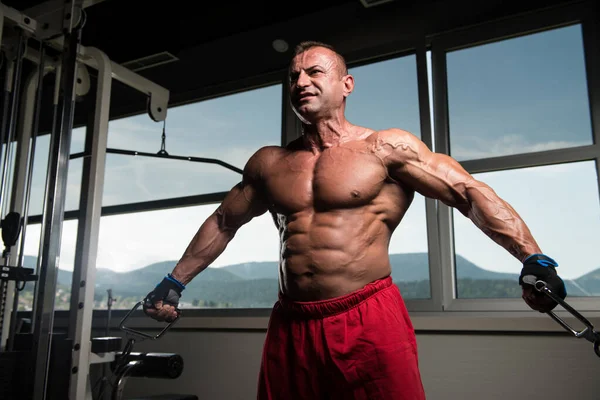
(441, 177)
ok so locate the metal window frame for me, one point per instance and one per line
(545, 20)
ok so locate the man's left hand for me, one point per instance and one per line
(544, 269)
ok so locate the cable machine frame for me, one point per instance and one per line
(65, 37)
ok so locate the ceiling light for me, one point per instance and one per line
(280, 45)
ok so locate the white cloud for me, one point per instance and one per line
(484, 147)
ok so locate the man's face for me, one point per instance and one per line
(317, 86)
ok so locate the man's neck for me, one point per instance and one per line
(325, 134)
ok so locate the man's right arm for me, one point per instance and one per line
(244, 201)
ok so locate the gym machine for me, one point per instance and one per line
(36, 362)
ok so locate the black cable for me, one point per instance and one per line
(163, 141)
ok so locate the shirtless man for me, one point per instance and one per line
(340, 329)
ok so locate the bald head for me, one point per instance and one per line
(339, 60)
(319, 82)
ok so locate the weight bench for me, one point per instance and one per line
(127, 364)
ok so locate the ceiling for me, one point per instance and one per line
(199, 38)
(227, 44)
(129, 29)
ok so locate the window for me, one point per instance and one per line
(229, 128)
(521, 95)
(65, 265)
(136, 250)
(40, 169)
(525, 95)
(509, 103)
(564, 225)
(69, 229)
(386, 96)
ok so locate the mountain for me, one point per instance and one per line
(405, 267)
(589, 283)
(254, 270)
(415, 267)
(255, 284)
(253, 293)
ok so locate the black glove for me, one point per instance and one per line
(544, 269)
(168, 291)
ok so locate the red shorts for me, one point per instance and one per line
(358, 346)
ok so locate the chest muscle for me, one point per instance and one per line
(335, 178)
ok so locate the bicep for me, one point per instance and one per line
(243, 202)
(434, 175)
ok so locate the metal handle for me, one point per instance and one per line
(587, 333)
(146, 335)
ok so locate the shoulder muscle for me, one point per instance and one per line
(396, 147)
(259, 164)
(412, 163)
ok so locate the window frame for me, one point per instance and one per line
(443, 311)
(557, 17)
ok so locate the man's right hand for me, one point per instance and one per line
(161, 303)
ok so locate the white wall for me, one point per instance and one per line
(223, 365)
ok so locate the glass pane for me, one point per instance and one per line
(229, 128)
(78, 140)
(566, 227)
(65, 265)
(134, 255)
(520, 95)
(131, 179)
(386, 96)
(40, 170)
(409, 254)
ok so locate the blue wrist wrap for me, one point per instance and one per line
(541, 259)
(170, 277)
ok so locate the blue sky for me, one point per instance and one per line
(526, 94)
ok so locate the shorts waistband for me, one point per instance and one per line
(325, 308)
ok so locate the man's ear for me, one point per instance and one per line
(348, 81)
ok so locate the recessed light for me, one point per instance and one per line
(280, 45)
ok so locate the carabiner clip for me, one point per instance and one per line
(587, 333)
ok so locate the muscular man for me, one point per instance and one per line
(340, 329)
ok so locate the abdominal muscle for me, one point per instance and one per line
(330, 254)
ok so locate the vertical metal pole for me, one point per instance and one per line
(53, 215)
(5, 286)
(55, 110)
(8, 128)
(7, 93)
(9, 134)
(24, 162)
(591, 40)
(22, 145)
(435, 284)
(90, 206)
(442, 145)
(1, 21)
